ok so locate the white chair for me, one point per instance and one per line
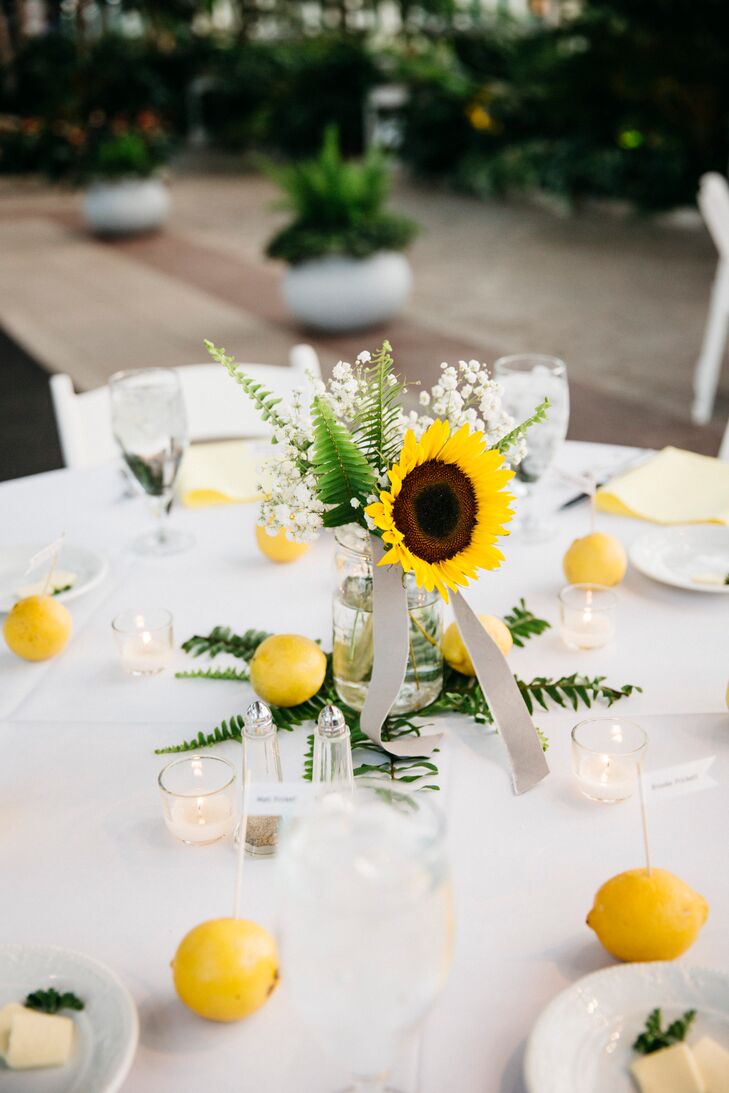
(713, 199)
(216, 408)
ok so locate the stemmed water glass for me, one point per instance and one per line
(365, 922)
(149, 423)
(526, 380)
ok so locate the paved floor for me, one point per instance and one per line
(622, 301)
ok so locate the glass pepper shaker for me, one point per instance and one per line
(332, 766)
(261, 764)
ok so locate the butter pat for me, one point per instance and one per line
(38, 1039)
(6, 1019)
(670, 1070)
(713, 1062)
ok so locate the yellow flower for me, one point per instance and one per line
(445, 508)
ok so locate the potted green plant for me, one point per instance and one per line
(120, 162)
(344, 249)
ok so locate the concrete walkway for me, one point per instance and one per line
(622, 301)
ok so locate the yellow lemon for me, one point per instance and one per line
(642, 916)
(38, 627)
(287, 669)
(277, 547)
(455, 651)
(595, 559)
(225, 969)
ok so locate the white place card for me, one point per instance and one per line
(51, 551)
(668, 782)
(279, 798)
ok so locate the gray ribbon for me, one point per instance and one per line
(391, 636)
(511, 717)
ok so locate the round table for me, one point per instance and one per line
(88, 863)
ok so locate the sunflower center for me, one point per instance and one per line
(436, 510)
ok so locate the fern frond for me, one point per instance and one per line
(226, 730)
(376, 424)
(523, 624)
(263, 399)
(341, 470)
(511, 438)
(239, 675)
(222, 639)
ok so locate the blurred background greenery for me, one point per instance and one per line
(606, 99)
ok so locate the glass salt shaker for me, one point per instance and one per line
(332, 766)
(261, 764)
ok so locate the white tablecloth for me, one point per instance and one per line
(87, 862)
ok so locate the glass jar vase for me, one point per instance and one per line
(352, 644)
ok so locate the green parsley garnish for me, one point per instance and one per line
(51, 1001)
(654, 1037)
(64, 588)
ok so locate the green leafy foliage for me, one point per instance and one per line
(376, 425)
(654, 1037)
(524, 625)
(460, 695)
(226, 730)
(337, 207)
(222, 639)
(511, 438)
(342, 471)
(51, 1001)
(237, 675)
(574, 690)
(263, 399)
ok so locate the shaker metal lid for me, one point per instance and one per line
(331, 722)
(258, 720)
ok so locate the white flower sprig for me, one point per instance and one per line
(466, 395)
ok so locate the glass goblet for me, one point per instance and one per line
(365, 922)
(149, 423)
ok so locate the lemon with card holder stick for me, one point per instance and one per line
(38, 628)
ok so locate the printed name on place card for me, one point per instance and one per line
(279, 798)
(676, 781)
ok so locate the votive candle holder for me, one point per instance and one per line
(145, 641)
(587, 615)
(606, 757)
(199, 799)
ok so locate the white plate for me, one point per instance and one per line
(582, 1043)
(90, 569)
(106, 1029)
(675, 555)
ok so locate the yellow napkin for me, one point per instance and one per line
(674, 487)
(220, 473)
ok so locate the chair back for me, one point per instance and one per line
(216, 409)
(713, 199)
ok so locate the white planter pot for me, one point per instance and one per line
(126, 207)
(338, 293)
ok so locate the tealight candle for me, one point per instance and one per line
(587, 615)
(145, 641)
(199, 799)
(606, 757)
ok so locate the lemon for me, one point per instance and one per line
(225, 969)
(38, 627)
(287, 669)
(642, 916)
(595, 559)
(277, 547)
(455, 651)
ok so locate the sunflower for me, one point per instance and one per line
(445, 508)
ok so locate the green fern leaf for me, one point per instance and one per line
(377, 422)
(511, 438)
(263, 399)
(342, 471)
